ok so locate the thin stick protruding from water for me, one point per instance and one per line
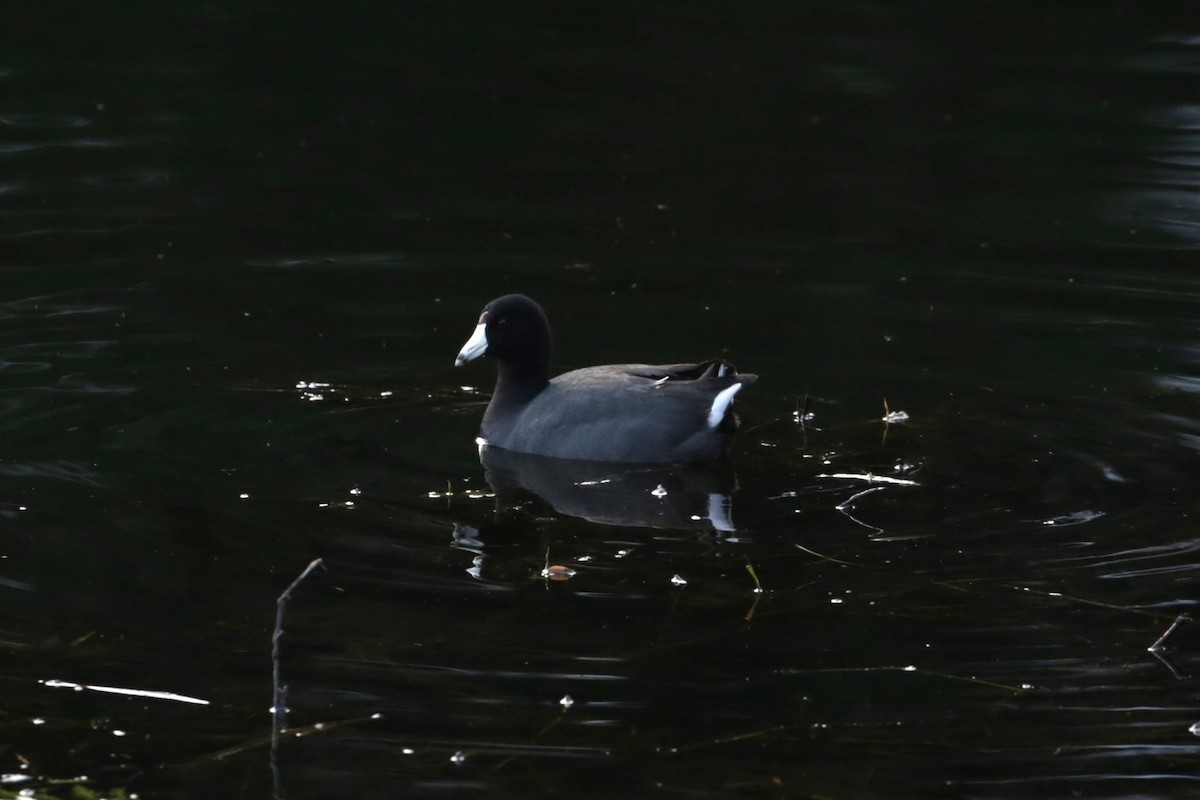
(754, 575)
(758, 590)
(812, 552)
(1158, 645)
(279, 708)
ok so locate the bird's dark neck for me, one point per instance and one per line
(518, 383)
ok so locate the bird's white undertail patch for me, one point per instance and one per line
(720, 403)
(718, 511)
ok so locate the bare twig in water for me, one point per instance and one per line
(819, 555)
(1155, 649)
(82, 639)
(917, 670)
(845, 506)
(757, 583)
(868, 477)
(537, 737)
(802, 416)
(1158, 645)
(1170, 667)
(736, 737)
(878, 484)
(260, 741)
(1086, 602)
(279, 709)
(758, 590)
(753, 607)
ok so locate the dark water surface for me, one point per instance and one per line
(243, 243)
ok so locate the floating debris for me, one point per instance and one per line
(558, 572)
(1077, 518)
(802, 414)
(890, 416)
(566, 702)
(659, 491)
(678, 580)
(869, 477)
(458, 758)
(311, 390)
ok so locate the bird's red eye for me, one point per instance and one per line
(501, 321)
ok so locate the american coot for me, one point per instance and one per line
(633, 413)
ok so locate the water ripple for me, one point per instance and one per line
(34, 232)
(126, 180)
(58, 351)
(56, 470)
(372, 260)
(1167, 570)
(35, 120)
(1127, 558)
(22, 367)
(75, 144)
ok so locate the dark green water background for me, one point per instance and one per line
(986, 213)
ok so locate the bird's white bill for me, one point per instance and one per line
(475, 346)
